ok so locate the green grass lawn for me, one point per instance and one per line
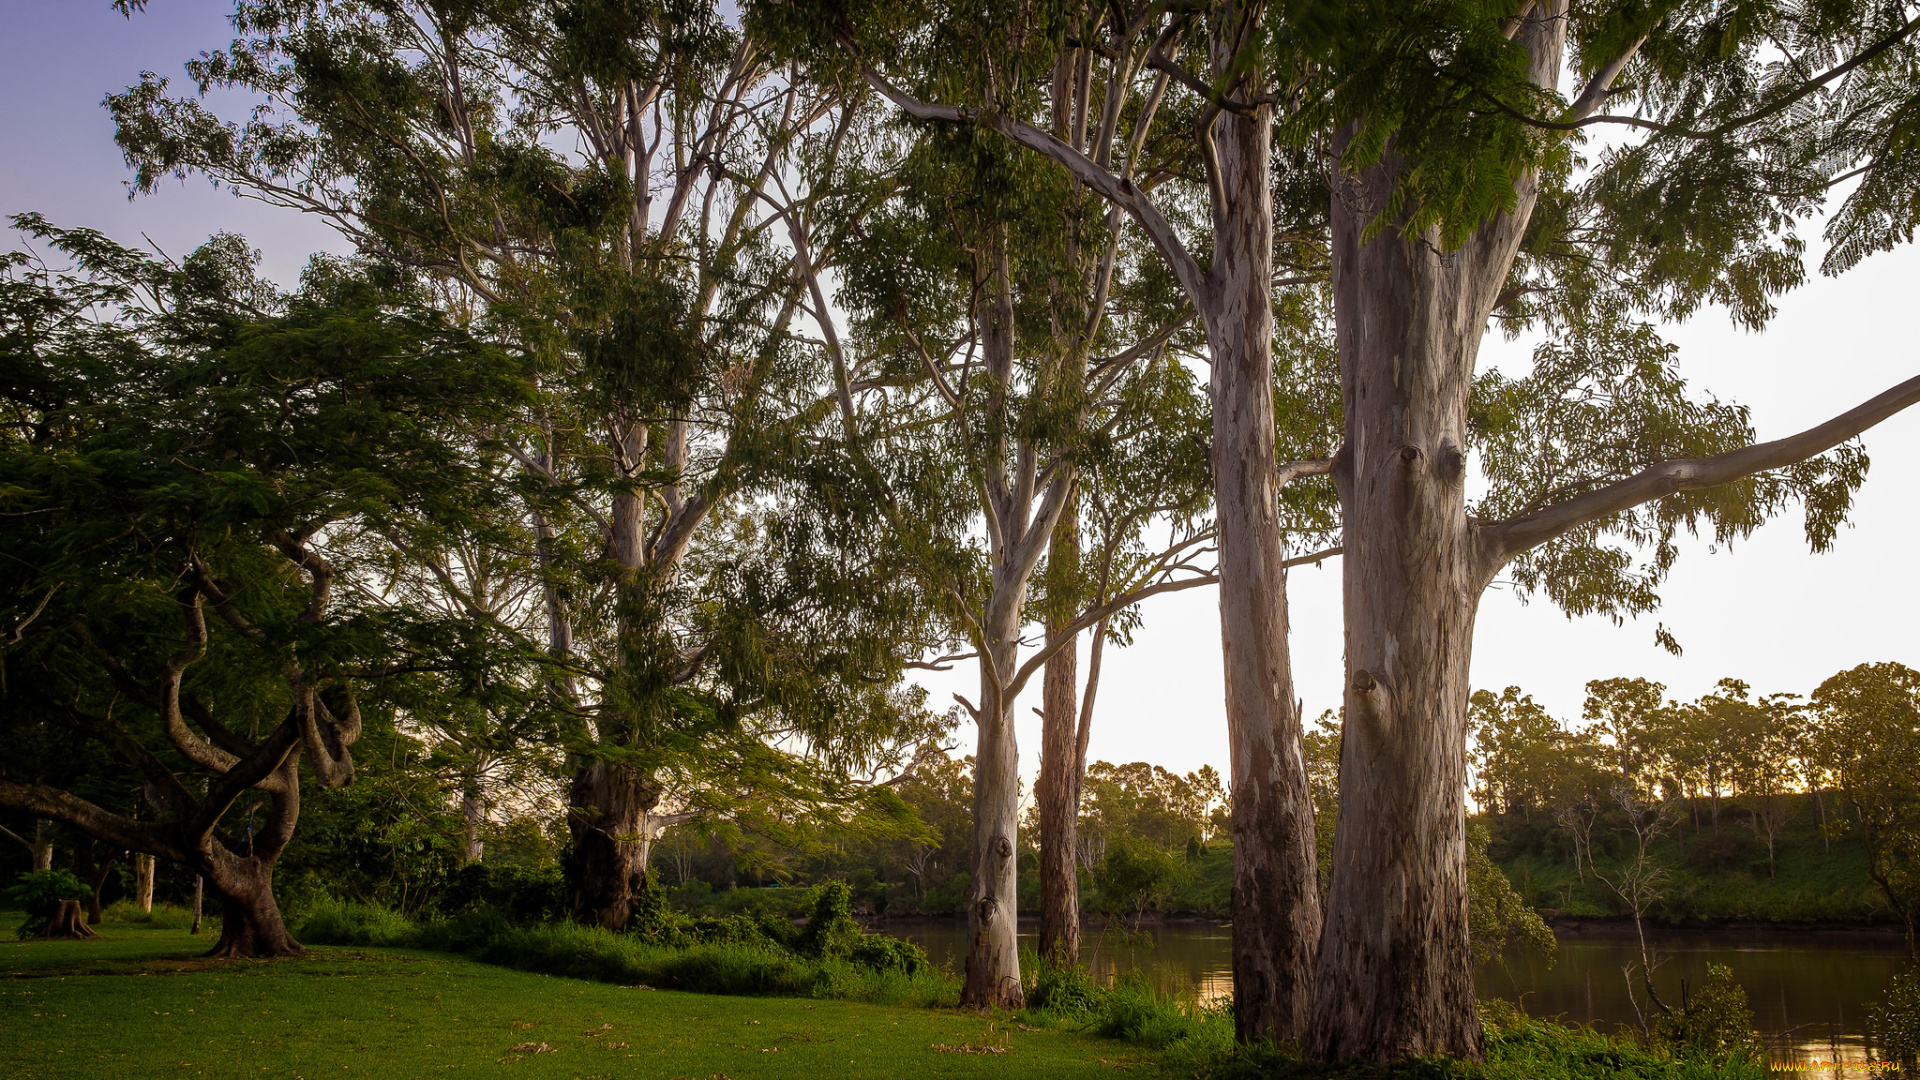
(140, 1003)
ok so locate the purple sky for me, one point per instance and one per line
(1766, 611)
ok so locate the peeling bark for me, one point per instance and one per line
(1276, 909)
(1394, 977)
(1058, 793)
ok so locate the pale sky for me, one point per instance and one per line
(1767, 611)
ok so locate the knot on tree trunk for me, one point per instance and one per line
(1002, 846)
(985, 910)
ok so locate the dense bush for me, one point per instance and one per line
(1713, 1020)
(1895, 1024)
(526, 893)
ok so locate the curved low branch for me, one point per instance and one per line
(1504, 540)
(48, 802)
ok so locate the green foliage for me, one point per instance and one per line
(1712, 1019)
(521, 893)
(1064, 990)
(40, 893)
(830, 932)
(704, 959)
(1894, 1024)
(1498, 918)
(1133, 874)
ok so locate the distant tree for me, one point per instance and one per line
(1134, 873)
(1867, 736)
(1765, 769)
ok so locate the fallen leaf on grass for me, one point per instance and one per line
(531, 1048)
(616, 1046)
(969, 1048)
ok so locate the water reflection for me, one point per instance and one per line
(1809, 991)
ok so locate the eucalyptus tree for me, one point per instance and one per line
(1453, 202)
(1866, 724)
(1444, 133)
(182, 448)
(1032, 376)
(627, 191)
(1207, 207)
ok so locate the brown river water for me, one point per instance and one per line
(1809, 989)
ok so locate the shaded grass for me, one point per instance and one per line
(138, 1003)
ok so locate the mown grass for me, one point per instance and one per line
(140, 1003)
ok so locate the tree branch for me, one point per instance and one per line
(1503, 541)
(1119, 190)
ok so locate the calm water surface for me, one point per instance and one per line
(1809, 990)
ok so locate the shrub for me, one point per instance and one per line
(1713, 1020)
(1069, 991)
(526, 893)
(1895, 1024)
(830, 932)
(881, 953)
(40, 894)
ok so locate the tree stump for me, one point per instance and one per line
(68, 924)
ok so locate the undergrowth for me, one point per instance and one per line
(1196, 1040)
(826, 958)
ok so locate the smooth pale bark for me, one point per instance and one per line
(143, 881)
(1394, 977)
(42, 847)
(1276, 911)
(993, 951)
(1276, 896)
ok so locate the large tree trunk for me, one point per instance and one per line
(1058, 787)
(1395, 976)
(1276, 910)
(607, 816)
(42, 847)
(250, 922)
(993, 905)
